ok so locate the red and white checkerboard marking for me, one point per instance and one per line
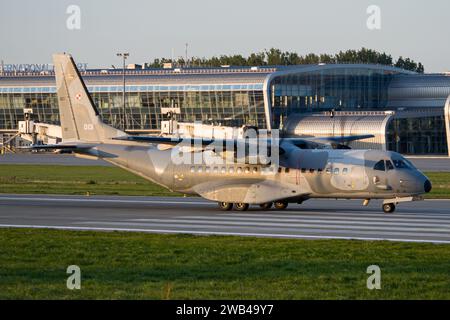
(78, 96)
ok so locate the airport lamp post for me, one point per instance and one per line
(124, 56)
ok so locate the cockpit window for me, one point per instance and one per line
(389, 165)
(400, 164)
(409, 163)
(379, 165)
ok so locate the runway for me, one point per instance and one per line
(425, 221)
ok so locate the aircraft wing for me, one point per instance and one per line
(186, 141)
(207, 141)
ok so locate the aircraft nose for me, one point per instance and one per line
(427, 186)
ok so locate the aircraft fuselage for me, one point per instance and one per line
(303, 174)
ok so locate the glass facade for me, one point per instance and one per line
(44, 105)
(225, 104)
(340, 89)
(424, 135)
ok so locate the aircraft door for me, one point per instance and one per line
(380, 177)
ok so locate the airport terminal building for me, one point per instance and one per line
(405, 111)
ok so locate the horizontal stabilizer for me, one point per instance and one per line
(341, 139)
(179, 140)
(57, 147)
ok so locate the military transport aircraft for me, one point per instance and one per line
(301, 172)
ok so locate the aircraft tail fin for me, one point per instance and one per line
(80, 119)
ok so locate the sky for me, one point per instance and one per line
(30, 30)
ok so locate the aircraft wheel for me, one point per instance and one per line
(241, 206)
(266, 205)
(225, 206)
(280, 205)
(388, 207)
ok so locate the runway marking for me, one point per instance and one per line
(293, 227)
(342, 213)
(317, 218)
(251, 234)
(291, 222)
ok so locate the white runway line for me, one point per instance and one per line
(263, 235)
(302, 224)
(287, 228)
(319, 219)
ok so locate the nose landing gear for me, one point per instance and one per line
(388, 207)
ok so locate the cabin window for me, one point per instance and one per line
(231, 170)
(200, 169)
(344, 171)
(303, 170)
(223, 170)
(247, 170)
(286, 170)
(328, 170)
(336, 171)
(311, 170)
(255, 169)
(389, 165)
(216, 170)
(279, 169)
(319, 170)
(379, 166)
(208, 169)
(193, 169)
(239, 170)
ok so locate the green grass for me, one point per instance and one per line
(46, 179)
(441, 185)
(117, 265)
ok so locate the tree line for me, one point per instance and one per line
(275, 56)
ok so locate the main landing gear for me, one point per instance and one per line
(280, 205)
(266, 205)
(227, 206)
(241, 206)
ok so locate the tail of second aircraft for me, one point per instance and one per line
(80, 119)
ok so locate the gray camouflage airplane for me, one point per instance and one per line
(303, 173)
